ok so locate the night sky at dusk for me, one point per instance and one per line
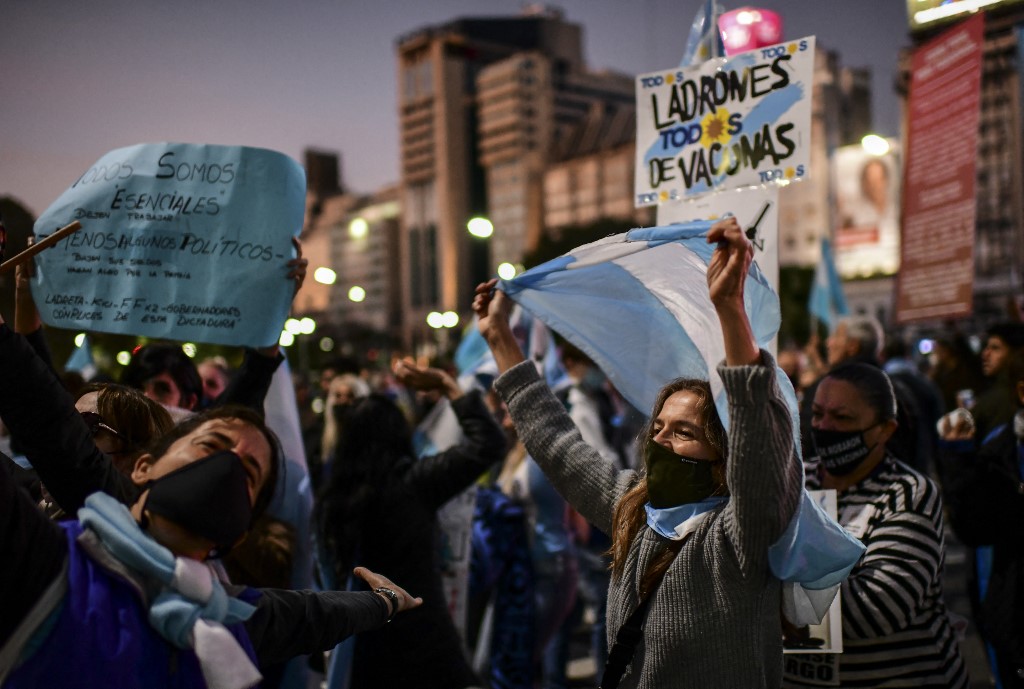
(78, 79)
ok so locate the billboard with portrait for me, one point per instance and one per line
(866, 232)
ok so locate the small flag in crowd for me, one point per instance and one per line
(705, 41)
(827, 302)
(81, 360)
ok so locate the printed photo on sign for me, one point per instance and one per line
(178, 241)
(725, 124)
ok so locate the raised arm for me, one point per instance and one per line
(764, 473)
(727, 274)
(42, 416)
(441, 477)
(588, 481)
(250, 386)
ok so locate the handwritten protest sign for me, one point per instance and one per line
(724, 124)
(179, 241)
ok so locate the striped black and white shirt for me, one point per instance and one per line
(896, 630)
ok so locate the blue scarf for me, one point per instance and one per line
(192, 606)
(675, 522)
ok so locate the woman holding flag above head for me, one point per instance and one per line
(693, 601)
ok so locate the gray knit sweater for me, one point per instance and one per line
(714, 620)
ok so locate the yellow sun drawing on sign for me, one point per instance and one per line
(715, 128)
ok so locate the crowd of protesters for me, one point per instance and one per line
(147, 540)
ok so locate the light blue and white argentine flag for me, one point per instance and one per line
(637, 303)
(827, 301)
(81, 360)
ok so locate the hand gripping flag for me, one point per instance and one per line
(637, 303)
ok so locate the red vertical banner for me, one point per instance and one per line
(936, 277)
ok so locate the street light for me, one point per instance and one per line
(435, 319)
(480, 227)
(307, 326)
(292, 327)
(358, 228)
(449, 319)
(874, 145)
(325, 276)
(356, 294)
(287, 339)
(506, 271)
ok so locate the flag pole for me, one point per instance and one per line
(41, 245)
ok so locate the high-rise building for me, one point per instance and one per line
(481, 102)
(530, 106)
(590, 177)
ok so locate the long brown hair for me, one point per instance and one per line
(630, 515)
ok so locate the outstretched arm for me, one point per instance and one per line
(441, 477)
(291, 623)
(588, 481)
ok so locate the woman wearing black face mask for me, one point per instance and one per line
(692, 600)
(895, 626)
(120, 596)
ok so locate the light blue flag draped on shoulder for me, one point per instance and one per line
(637, 303)
(827, 301)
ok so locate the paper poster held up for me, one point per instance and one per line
(725, 124)
(179, 241)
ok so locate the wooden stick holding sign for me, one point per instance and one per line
(42, 245)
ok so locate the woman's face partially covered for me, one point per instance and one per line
(680, 428)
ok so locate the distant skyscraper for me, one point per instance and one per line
(482, 103)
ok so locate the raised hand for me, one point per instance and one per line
(727, 273)
(492, 308)
(297, 266)
(425, 378)
(729, 264)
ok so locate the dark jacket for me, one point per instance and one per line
(37, 409)
(422, 648)
(984, 493)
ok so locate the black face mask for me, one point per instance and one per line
(674, 480)
(209, 498)
(841, 451)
